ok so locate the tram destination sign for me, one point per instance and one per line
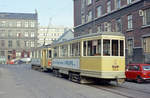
(66, 63)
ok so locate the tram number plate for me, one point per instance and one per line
(115, 67)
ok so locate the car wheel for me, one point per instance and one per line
(139, 79)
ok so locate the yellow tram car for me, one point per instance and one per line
(42, 58)
(96, 56)
(46, 58)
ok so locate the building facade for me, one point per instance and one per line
(18, 34)
(131, 17)
(48, 35)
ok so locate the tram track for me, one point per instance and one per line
(111, 91)
(120, 90)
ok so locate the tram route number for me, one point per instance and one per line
(115, 67)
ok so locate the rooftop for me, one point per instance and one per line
(6, 15)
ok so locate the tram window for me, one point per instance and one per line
(99, 47)
(56, 51)
(50, 53)
(121, 48)
(114, 47)
(75, 49)
(106, 47)
(93, 48)
(84, 48)
(96, 47)
(89, 48)
(64, 50)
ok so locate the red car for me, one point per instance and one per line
(138, 72)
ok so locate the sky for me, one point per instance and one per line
(59, 12)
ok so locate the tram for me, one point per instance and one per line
(94, 56)
(42, 58)
(46, 58)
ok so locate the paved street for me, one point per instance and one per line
(19, 81)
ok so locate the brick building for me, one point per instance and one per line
(18, 34)
(131, 17)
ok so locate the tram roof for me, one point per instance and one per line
(92, 35)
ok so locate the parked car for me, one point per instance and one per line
(138, 72)
(26, 60)
(19, 62)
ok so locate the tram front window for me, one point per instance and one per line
(121, 48)
(114, 47)
(106, 47)
(50, 52)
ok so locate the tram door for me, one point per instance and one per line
(44, 58)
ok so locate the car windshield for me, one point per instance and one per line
(146, 67)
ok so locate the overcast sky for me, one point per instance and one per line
(59, 11)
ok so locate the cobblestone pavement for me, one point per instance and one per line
(19, 81)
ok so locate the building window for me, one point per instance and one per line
(18, 24)
(32, 44)
(83, 19)
(32, 24)
(130, 46)
(28, 44)
(26, 24)
(10, 34)
(146, 17)
(10, 43)
(18, 43)
(82, 3)
(90, 31)
(108, 6)
(18, 34)
(3, 23)
(89, 2)
(107, 26)
(3, 43)
(98, 11)
(99, 28)
(130, 23)
(118, 4)
(118, 25)
(25, 43)
(82, 6)
(26, 34)
(10, 24)
(32, 34)
(146, 44)
(89, 16)
(2, 53)
(130, 1)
